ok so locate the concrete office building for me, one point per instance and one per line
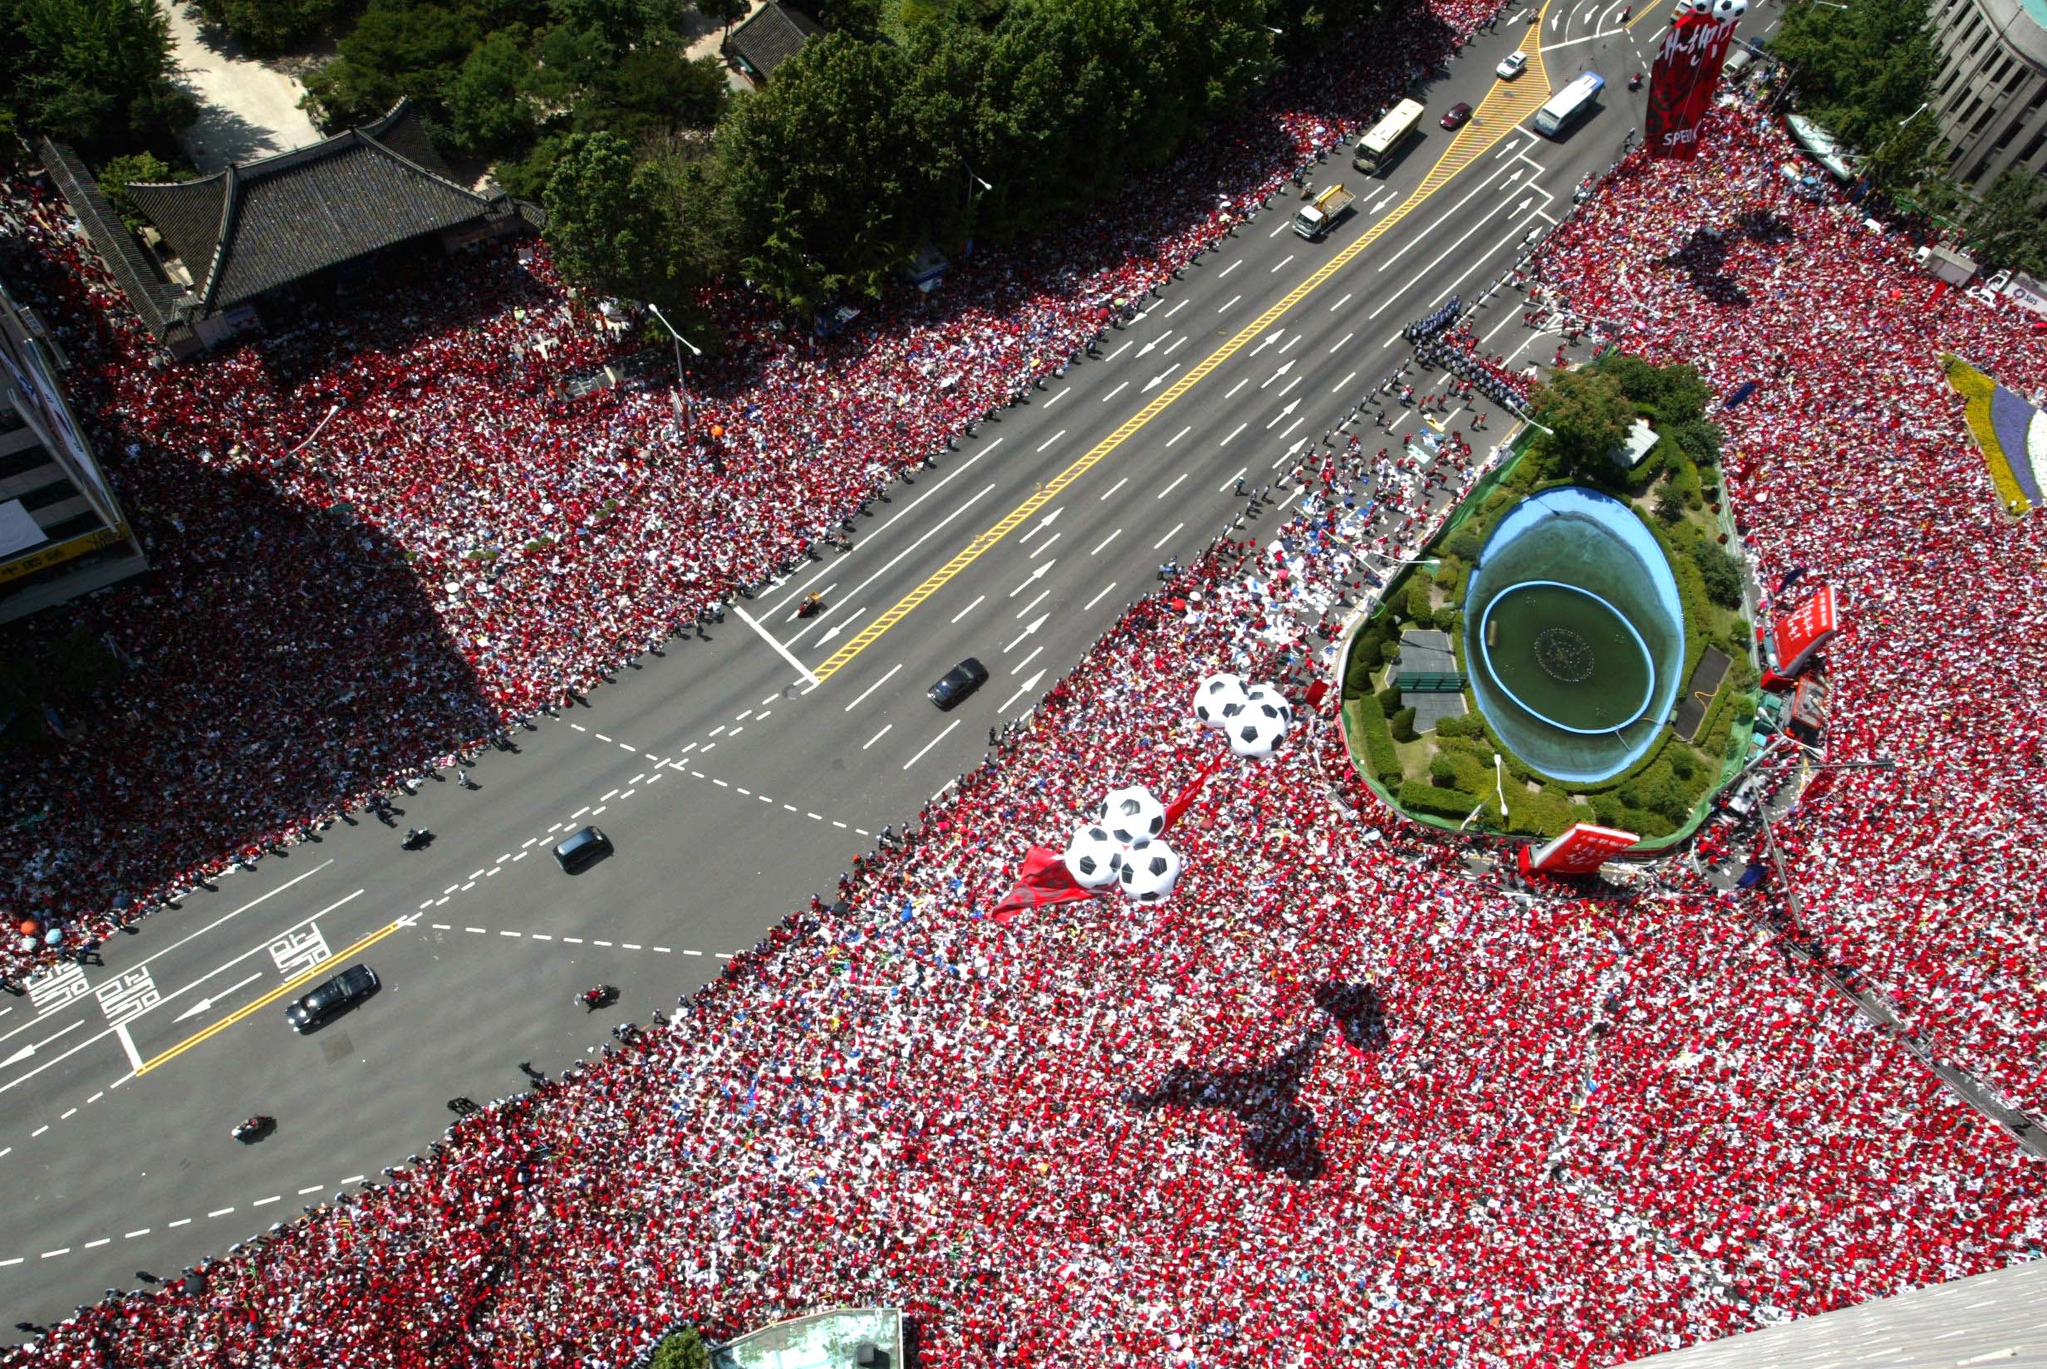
(1991, 94)
(62, 532)
(1996, 1320)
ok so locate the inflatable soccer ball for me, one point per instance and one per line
(1132, 816)
(1267, 700)
(1255, 734)
(1093, 858)
(1213, 695)
(1727, 11)
(1149, 874)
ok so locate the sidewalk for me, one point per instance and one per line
(246, 110)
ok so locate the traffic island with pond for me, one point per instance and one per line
(1572, 647)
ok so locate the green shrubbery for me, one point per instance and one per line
(1403, 726)
(682, 1349)
(1419, 796)
(1720, 572)
(1369, 731)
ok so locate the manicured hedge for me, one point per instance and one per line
(1369, 727)
(1419, 796)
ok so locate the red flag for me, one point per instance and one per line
(1043, 881)
(1185, 800)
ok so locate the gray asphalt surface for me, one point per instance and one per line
(732, 789)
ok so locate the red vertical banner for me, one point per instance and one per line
(1686, 74)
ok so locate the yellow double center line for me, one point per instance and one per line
(324, 967)
(1505, 106)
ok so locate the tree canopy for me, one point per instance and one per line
(92, 73)
(616, 222)
(266, 27)
(1586, 415)
(1867, 72)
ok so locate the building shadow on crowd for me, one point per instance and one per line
(1357, 1010)
(1702, 257)
(1280, 1136)
(276, 658)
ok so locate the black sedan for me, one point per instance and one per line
(962, 680)
(352, 985)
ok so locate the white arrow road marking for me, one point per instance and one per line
(1159, 379)
(1524, 204)
(1390, 198)
(1274, 336)
(845, 622)
(1282, 414)
(29, 1050)
(1154, 342)
(1033, 626)
(1037, 574)
(206, 1004)
(1026, 687)
(1280, 372)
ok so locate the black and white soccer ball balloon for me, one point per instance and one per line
(1215, 694)
(1266, 699)
(1093, 857)
(1149, 873)
(1727, 11)
(1131, 816)
(1255, 736)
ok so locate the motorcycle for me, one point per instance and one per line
(597, 996)
(811, 606)
(416, 838)
(1635, 81)
(253, 1128)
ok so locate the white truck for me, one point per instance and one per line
(1946, 263)
(2022, 290)
(1321, 213)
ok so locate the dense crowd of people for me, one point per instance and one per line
(1348, 1097)
(403, 478)
(1850, 464)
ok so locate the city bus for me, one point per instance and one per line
(1382, 146)
(1568, 104)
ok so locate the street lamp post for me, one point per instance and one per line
(680, 341)
(681, 384)
(973, 179)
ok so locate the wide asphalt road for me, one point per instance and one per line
(737, 775)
